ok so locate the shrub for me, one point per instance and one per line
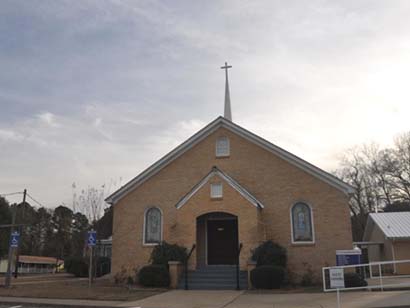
(354, 280)
(121, 276)
(307, 279)
(154, 276)
(270, 253)
(130, 280)
(76, 266)
(268, 277)
(103, 266)
(165, 252)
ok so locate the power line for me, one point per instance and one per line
(10, 194)
(28, 195)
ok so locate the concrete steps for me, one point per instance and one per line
(214, 278)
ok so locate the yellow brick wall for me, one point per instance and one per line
(273, 181)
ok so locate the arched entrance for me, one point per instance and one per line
(217, 239)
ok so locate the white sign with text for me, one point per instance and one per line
(337, 278)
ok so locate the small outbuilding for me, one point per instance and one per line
(33, 265)
(388, 239)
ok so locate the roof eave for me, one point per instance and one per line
(157, 166)
(203, 133)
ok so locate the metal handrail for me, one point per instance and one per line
(237, 266)
(186, 265)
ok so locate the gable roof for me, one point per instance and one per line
(394, 225)
(234, 184)
(209, 129)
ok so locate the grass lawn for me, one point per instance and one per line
(73, 288)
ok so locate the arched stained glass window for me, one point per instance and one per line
(153, 226)
(302, 227)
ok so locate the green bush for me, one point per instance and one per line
(270, 253)
(76, 266)
(165, 252)
(354, 280)
(268, 276)
(154, 276)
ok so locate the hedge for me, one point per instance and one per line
(103, 266)
(268, 277)
(154, 276)
(76, 266)
(165, 252)
(270, 253)
(354, 280)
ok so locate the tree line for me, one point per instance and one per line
(380, 177)
(58, 232)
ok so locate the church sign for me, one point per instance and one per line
(348, 257)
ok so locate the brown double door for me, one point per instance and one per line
(222, 240)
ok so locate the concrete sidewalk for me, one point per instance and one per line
(60, 302)
(241, 299)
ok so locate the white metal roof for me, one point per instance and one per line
(394, 225)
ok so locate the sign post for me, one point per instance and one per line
(14, 243)
(91, 242)
(337, 281)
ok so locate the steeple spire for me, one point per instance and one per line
(227, 109)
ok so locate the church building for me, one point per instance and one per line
(225, 187)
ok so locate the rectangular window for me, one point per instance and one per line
(216, 190)
(222, 147)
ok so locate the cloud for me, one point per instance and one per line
(98, 90)
(48, 118)
(9, 135)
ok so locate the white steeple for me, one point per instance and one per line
(227, 109)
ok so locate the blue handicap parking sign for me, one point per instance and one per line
(14, 239)
(91, 238)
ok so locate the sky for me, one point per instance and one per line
(93, 92)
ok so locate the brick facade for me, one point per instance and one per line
(272, 180)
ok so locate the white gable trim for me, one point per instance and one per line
(291, 158)
(235, 185)
(209, 129)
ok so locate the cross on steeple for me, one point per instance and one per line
(227, 109)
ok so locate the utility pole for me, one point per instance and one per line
(16, 267)
(11, 249)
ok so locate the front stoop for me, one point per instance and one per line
(214, 278)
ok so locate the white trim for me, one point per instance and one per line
(311, 222)
(228, 147)
(235, 185)
(206, 131)
(143, 226)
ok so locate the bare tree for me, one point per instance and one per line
(90, 201)
(380, 176)
(400, 166)
(355, 171)
(378, 165)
